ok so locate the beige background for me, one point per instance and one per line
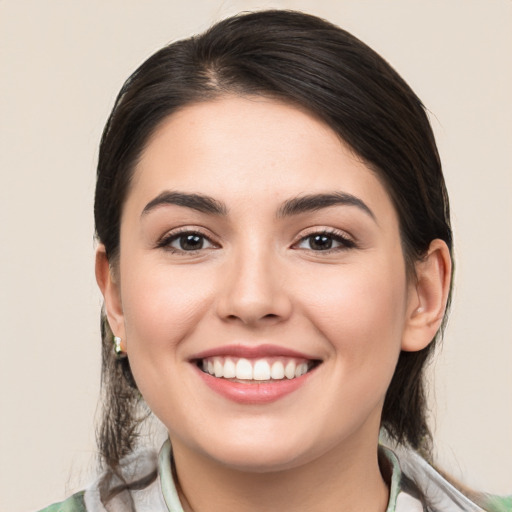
(61, 65)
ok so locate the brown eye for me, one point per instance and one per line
(320, 242)
(190, 242)
(325, 242)
(187, 241)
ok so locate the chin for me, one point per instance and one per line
(262, 453)
(260, 459)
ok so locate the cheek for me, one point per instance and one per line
(363, 314)
(161, 307)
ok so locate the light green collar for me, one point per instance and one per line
(169, 490)
(172, 499)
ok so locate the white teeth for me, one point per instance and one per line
(289, 370)
(257, 370)
(218, 368)
(277, 371)
(301, 369)
(244, 369)
(261, 370)
(229, 369)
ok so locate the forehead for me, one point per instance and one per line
(249, 147)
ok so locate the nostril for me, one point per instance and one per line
(249, 319)
(249, 310)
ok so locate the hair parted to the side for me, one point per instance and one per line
(307, 62)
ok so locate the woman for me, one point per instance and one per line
(275, 258)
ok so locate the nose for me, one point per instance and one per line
(253, 290)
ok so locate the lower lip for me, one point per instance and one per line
(253, 393)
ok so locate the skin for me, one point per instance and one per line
(259, 279)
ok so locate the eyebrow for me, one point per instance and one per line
(315, 202)
(294, 206)
(199, 202)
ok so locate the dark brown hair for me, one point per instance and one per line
(307, 62)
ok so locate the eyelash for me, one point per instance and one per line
(332, 236)
(166, 241)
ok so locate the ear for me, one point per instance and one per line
(428, 296)
(107, 282)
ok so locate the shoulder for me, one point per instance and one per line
(438, 493)
(134, 481)
(496, 503)
(74, 503)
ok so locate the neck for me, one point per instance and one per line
(345, 479)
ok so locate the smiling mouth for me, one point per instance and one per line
(260, 370)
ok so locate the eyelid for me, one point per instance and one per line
(347, 241)
(164, 241)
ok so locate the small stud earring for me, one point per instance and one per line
(420, 309)
(117, 347)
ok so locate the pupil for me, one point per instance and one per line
(321, 242)
(191, 242)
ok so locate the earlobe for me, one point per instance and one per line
(111, 293)
(428, 297)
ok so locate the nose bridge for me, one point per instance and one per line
(253, 288)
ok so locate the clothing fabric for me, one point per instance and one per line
(145, 483)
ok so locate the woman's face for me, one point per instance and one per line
(255, 246)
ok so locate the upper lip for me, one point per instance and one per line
(252, 352)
